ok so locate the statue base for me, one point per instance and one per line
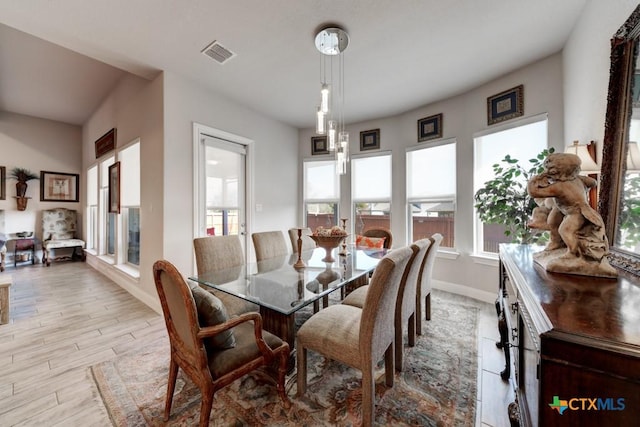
(557, 261)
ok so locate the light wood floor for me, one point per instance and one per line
(67, 317)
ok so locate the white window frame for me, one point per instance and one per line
(478, 236)
(410, 200)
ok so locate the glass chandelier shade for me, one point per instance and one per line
(330, 42)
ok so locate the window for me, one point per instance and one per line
(431, 192)
(116, 238)
(225, 166)
(321, 193)
(92, 209)
(130, 204)
(107, 220)
(371, 192)
(522, 142)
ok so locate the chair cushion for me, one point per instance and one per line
(70, 243)
(369, 242)
(357, 297)
(246, 350)
(212, 312)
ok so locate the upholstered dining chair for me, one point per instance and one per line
(307, 242)
(215, 355)
(358, 337)
(424, 287)
(378, 232)
(405, 313)
(269, 244)
(215, 253)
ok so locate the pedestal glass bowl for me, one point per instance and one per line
(328, 243)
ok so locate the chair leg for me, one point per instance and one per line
(411, 328)
(301, 356)
(419, 314)
(282, 372)
(369, 394)
(388, 366)
(171, 386)
(398, 343)
(205, 407)
(427, 306)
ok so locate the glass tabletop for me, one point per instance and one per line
(275, 284)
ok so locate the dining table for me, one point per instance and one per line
(281, 290)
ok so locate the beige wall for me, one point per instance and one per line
(135, 109)
(36, 144)
(275, 164)
(463, 116)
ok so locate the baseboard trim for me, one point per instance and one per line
(125, 281)
(454, 288)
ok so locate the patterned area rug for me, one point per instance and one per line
(437, 387)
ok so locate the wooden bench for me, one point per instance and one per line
(5, 284)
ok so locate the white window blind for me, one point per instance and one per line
(371, 178)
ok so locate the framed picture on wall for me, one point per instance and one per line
(59, 186)
(114, 188)
(319, 145)
(105, 143)
(505, 105)
(370, 139)
(430, 128)
(3, 182)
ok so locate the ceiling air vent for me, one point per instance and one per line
(218, 52)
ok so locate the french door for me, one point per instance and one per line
(222, 186)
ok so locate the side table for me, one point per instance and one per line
(22, 245)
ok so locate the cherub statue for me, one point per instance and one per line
(561, 193)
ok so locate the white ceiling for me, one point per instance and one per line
(402, 54)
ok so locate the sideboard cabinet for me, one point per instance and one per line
(571, 344)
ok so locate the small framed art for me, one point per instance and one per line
(505, 105)
(319, 145)
(114, 188)
(59, 186)
(370, 139)
(3, 182)
(105, 143)
(430, 128)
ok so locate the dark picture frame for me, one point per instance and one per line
(319, 145)
(106, 143)
(3, 182)
(59, 186)
(370, 139)
(505, 105)
(430, 128)
(114, 188)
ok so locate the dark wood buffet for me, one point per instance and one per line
(571, 344)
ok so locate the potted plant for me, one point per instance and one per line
(22, 175)
(504, 199)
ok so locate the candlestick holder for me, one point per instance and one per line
(344, 251)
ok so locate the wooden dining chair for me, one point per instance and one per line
(405, 313)
(269, 244)
(212, 349)
(358, 337)
(216, 253)
(378, 233)
(307, 242)
(424, 287)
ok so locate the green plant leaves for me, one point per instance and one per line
(504, 200)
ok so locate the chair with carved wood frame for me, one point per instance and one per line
(216, 368)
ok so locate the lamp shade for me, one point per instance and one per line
(588, 165)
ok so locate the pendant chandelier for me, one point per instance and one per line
(331, 42)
